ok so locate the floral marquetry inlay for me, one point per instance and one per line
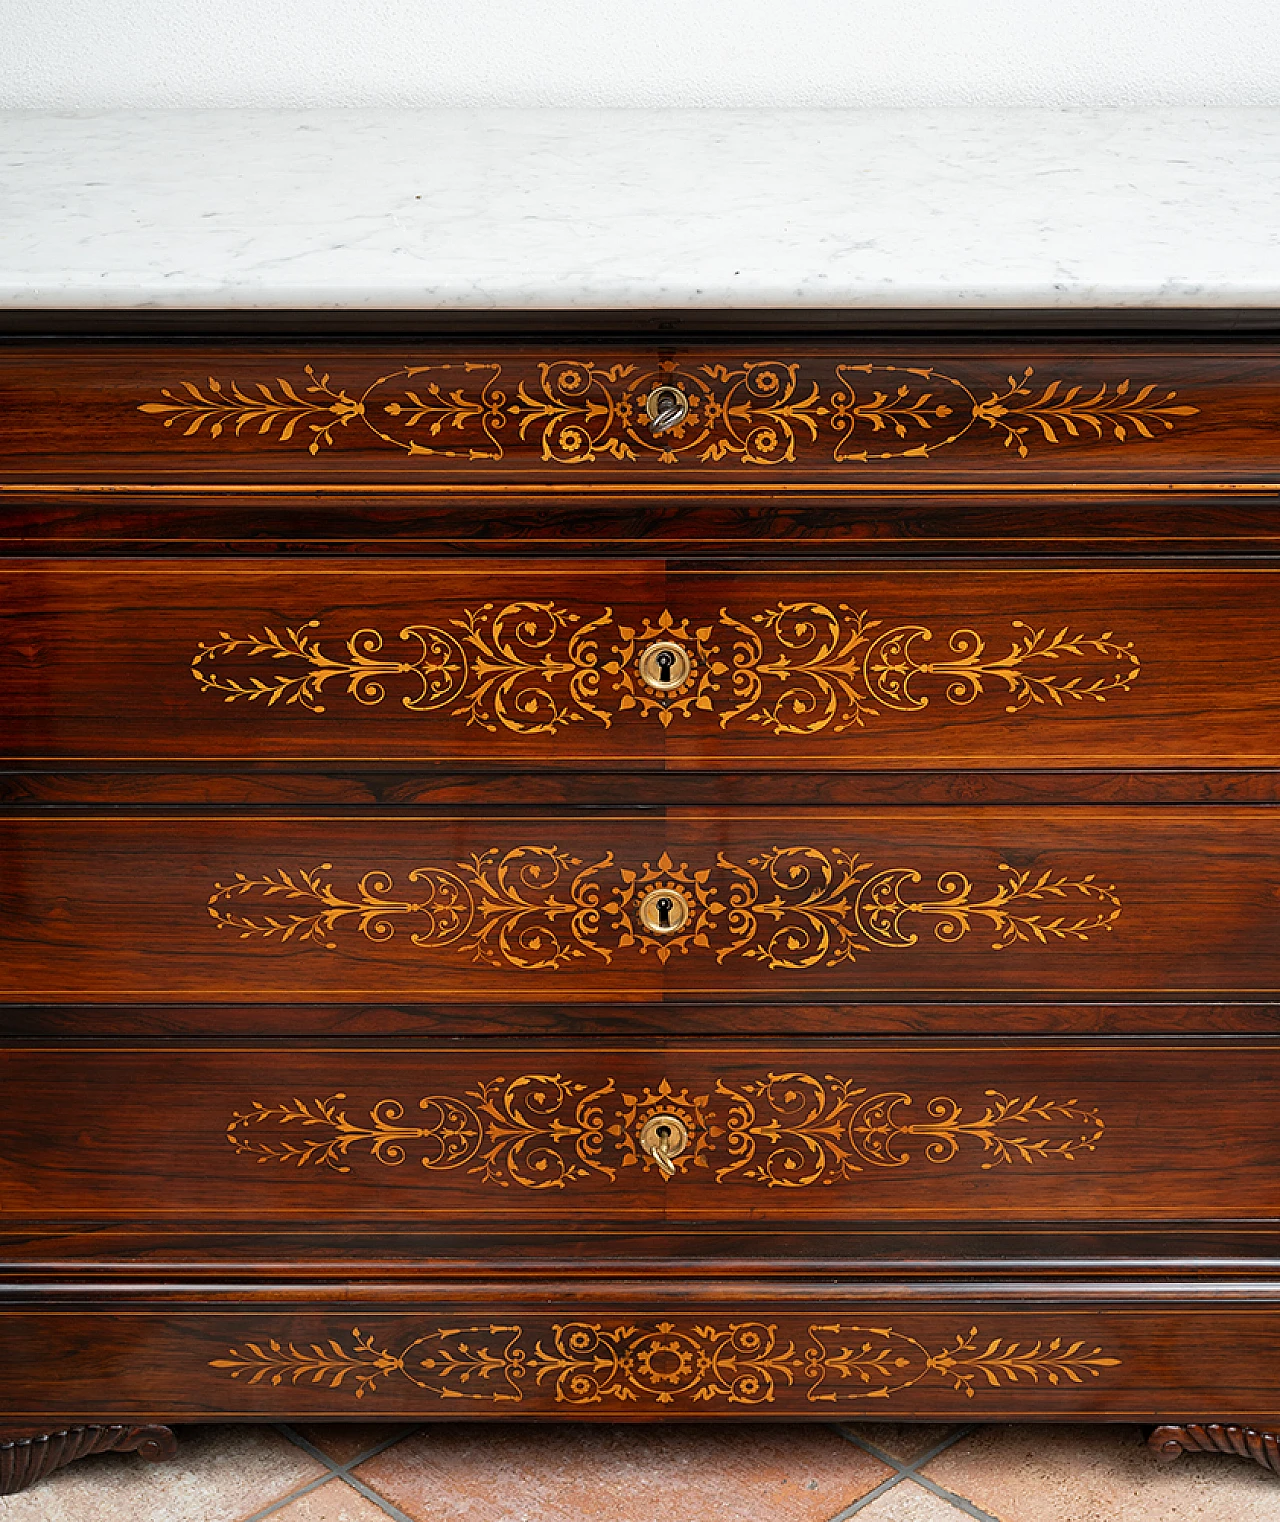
(671, 1363)
(796, 668)
(545, 1130)
(536, 908)
(757, 413)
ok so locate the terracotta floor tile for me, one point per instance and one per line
(900, 1440)
(220, 1474)
(484, 1473)
(911, 1503)
(344, 1441)
(1099, 1474)
(334, 1502)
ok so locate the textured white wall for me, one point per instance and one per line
(95, 54)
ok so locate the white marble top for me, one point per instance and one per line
(454, 210)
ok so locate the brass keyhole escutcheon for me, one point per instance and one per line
(667, 407)
(664, 911)
(664, 1137)
(664, 665)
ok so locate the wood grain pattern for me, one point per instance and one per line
(1163, 1353)
(310, 785)
(785, 1131)
(539, 908)
(360, 903)
(935, 1015)
(537, 668)
(929, 517)
(326, 1264)
(805, 411)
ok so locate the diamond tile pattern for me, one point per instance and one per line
(735, 1472)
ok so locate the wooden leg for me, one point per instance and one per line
(28, 1454)
(1263, 1447)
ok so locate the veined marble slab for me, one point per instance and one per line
(538, 210)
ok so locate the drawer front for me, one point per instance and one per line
(837, 414)
(833, 1359)
(959, 903)
(650, 667)
(476, 1133)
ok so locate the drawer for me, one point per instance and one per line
(552, 908)
(639, 664)
(840, 414)
(483, 1133)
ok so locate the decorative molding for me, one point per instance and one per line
(536, 908)
(1263, 1447)
(759, 413)
(545, 1131)
(796, 668)
(668, 1363)
(27, 1457)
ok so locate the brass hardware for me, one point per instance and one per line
(664, 1137)
(664, 911)
(664, 665)
(666, 406)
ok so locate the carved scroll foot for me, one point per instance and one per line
(1169, 1443)
(27, 1454)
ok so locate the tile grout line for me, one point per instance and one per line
(909, 1470)
(961, 1503)
(294, 1495)
(370, 1494)
(861, 1503)
(342, 1471)
(903, 1470)
(333, 1469)
(360, 1458)
(899, 1467)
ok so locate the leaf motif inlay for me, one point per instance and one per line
(758, 413)
(671, 1363)
(532, 667)
(536, 908)
(548, 1131)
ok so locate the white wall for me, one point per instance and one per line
(94, 54)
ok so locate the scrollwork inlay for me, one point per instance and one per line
(670, 1363)
(537, 908)
(548, 1131)
(758, 413)
(796, 668)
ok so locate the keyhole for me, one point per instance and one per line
(664, 1137)
(663, 911)
(666, 406)
(665, 666)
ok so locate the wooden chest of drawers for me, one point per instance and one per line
(662, 874)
